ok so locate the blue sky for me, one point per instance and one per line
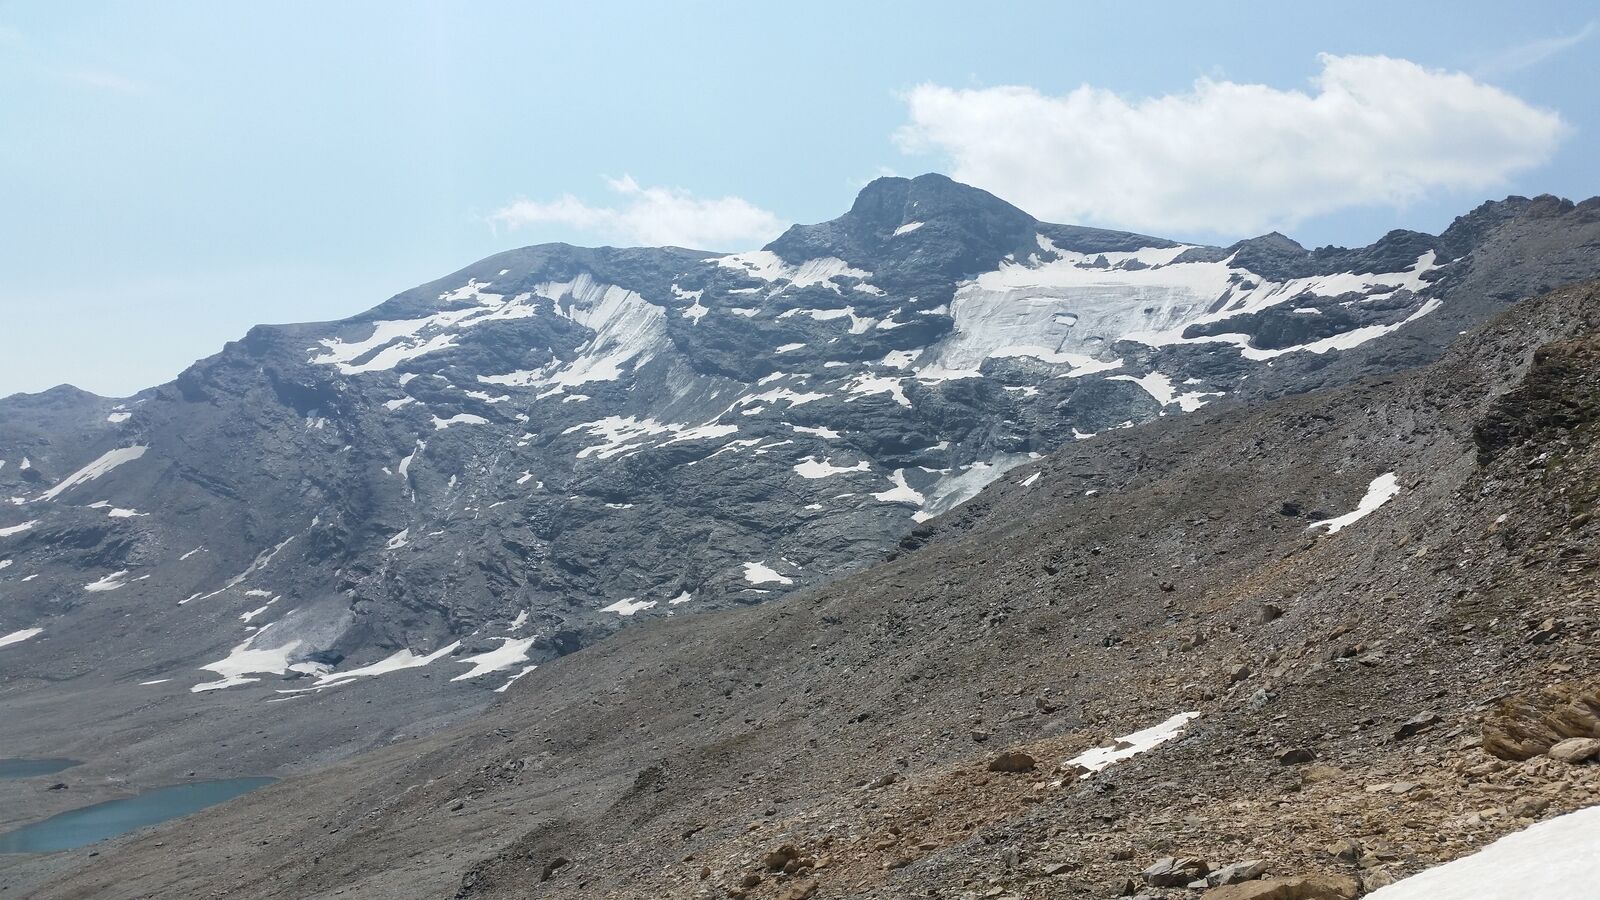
(173, 173)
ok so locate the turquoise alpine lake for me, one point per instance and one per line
(77, 827)
(22, 767)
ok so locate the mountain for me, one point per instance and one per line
(1333, 633)
(330, 536)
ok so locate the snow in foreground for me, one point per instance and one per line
(1553, 860)
(1131, 744)
(1380, 491)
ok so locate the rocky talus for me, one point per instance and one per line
(1307, 647)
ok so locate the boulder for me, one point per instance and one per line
(1295, 756)
(1300, 887)
(1234, 873)
(1576, 750)
(1012, 761)
(777, 859)
(1416, 725)
(799, 890)
(1175, 871)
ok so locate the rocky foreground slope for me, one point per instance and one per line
(328, 537)
(1345, 628)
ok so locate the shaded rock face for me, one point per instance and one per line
(1562, 392)
(509, 463)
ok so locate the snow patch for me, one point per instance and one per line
(510, 652)
(458, 419)
(1132, 744)
(514, 679)
(623, 434)
(17, 637)
(1160, 387)
(820, 431)
(768, 266)
(245, 660)
(404, 659)
(109, 583)
(811, 467)
(1551, 860)
(1380, 491)
(627, 606)
(107, 461)
(901, 492)
(866, 385)
(761, 573)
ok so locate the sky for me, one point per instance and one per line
(173, 173)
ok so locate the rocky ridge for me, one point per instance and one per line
(958, 721)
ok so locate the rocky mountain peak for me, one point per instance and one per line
(916, 229)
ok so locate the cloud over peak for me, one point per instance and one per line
(1233, 158)
(651, 216)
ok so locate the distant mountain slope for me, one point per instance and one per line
(416, 505)
(1299, 615)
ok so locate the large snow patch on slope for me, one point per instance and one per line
(1553, 860)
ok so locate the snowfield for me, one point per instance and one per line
(1552, 860)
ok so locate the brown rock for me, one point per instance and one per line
(1266, 612)
(1295, 756)
(1529, 807)
(1382, 876)
(1301, 887)
(1012, 761)
(1314, 774)
(1576, 750)
(1523, 727)
(799, 890)
(777, 859)
(1346, 850)
(1237, 872)
(1416, 725)
(1175, 871)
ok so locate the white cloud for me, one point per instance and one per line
(652, 216)
(1234, 158)
(1526, 56)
